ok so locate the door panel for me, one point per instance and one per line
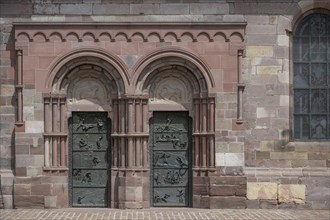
(89, 159)
(170, 143)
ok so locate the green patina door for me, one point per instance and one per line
(170, 144)
(89, 159)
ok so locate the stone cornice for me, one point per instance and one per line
(148, 31)
(158, 24)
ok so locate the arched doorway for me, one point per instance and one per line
(87, 85)
(180, 150)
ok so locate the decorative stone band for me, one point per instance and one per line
(230, 32)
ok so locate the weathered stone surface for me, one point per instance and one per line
(252, 204)
(29, 201)
(7, 201)
(263, 51)
(229, 159)
(46, 9)
(228, 180)
(144, 9)
(76, 9)
(50, 201)
(315, 193)
(41, 189)
(172, 9)
(223, 202)
(113, 9)
(201, 201)
(227, 190)
(291, 193)
(268, 70)
(22, 189)
(261, 190)
(209, 8)
(289, 155)
(268, 204)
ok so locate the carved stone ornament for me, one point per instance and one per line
(88, 91)
(171, 90)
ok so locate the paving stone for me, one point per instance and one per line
(161, 214)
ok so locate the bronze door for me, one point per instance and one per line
(89, 159)
(170, 144)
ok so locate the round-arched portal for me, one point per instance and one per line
(100, 60)
(171, 83)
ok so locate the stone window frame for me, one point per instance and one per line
(310, 139)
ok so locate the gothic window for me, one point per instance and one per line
(311, 79)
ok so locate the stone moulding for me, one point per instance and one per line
(129, 32)
(102, 54)
(172, 51)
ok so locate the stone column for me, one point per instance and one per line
(240, 87)
(19, 91)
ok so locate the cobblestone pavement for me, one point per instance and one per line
(162, 214)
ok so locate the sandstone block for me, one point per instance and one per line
(228, 180)
(76, 9)
(231, 171)
(252, 204)
(291, 193)
(201, 201)
(268, 204)
(201, 190)
(33, 171)
(268, 70)
(227, 202)
(283, 40)
(227, 190)
(22, 189)
(261, 190)
(261, 40)
(41, 189)
(229, 159)
(16, 9)
(260, 29)
(50, 201)
(34, 126)
(46, 9)
(113, 9)
(221, 147)
(236, 147)
(200, 8)
(144, 9)
(284, 100)
(266, 145)
(7, 201)
(262, 155)
(29, 201)
(318, 193)
(289, 155)
(174, 9)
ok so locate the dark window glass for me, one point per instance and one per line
(311, 79)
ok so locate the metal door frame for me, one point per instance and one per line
(189, 150)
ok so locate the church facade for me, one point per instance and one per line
(138, 104)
